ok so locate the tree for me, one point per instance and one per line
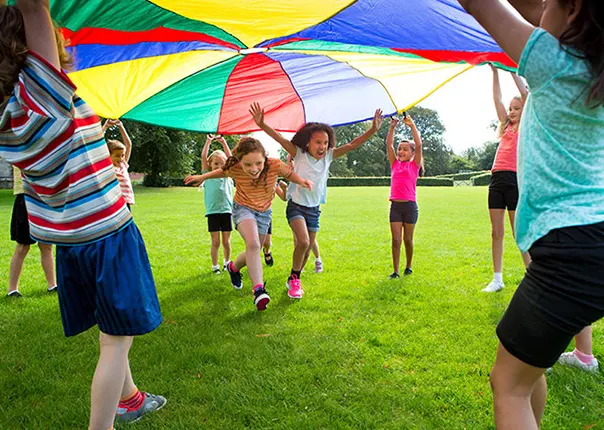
(487, 155)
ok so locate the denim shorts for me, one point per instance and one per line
(263, 219)
(310, 215)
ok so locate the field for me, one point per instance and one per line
(359, 351)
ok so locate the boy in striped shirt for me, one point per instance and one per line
(120, 156)
(74, 201)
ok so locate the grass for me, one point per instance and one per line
(358, 352)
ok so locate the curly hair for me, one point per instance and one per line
(302, 137)
(13, 48)
(247, 145)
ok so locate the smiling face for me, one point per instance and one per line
(515, 110)
(217, 162)
(404, 152)
(117, 156)
(318, 144)
(253, 163)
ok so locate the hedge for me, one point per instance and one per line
(481, 180)
(467, 176)
(378, 181)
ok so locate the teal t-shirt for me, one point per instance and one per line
(218, 196)
(560, 145)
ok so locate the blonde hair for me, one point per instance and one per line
(217, 153)
(505, 124)
(114, 145)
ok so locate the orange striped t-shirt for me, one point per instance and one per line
(258, 196)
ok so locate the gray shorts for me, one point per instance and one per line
(263, 219)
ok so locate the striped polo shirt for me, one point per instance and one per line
(258, 194)
(71, 191)
(123, 178)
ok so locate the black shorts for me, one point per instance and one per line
(561, 293)
(219, 222)
(405, 212)
(503, 191)
(19, 224)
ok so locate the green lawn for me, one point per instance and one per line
(358, 352)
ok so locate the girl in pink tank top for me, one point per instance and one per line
(503, 189)
(405, 164)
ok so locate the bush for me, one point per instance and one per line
(466, 176)
(481, 180)
(156, 181)
(384, 181)
(434, 182)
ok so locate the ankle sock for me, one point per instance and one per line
(583, 358)
(257, 287)
(295, 273)
(216, 267)
(318, 260)
(134, 401)
(498, 276)
(232, 267)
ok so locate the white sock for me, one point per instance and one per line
(498, 276)
(216, 267)
(225, 262)
(318, 259)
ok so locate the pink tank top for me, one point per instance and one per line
(404, 180)
(505, 159)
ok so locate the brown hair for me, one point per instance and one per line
(13, 48)
(114, 145)
(303, 136)
(247, 145)
(412, 145)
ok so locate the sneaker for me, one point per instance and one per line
(493, 287)
(268, 259)
(394, 275)
(294, 288)
(261, 299)
(318, 266)
(14, 294)
(571, 360)
(407, 271)
(216, 271)
(151, 403)
(52, 289)
(236, 281)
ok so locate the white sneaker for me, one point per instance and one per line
(493, 287)
(571, 360)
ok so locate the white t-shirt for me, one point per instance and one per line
(317, 171)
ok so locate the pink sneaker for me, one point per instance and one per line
(294, 287)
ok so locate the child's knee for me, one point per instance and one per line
(21, 250)
(397, 241)
(497, 234)
(110, 341)
(45, 248)
(215, 242)
(408, 240)
(252, 246)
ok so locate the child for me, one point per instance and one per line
(266, 245)
(73, 200)
(503, 189)
(256, 177)
(405, 165)
(312, 148)
(218, 199)
(582, 356)
(120, 156)
(560, 215)
(19, 232)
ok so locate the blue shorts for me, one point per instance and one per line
(108, 283)
(263, 219)
(310, 215)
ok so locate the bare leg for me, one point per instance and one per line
(519, 392)
(48, 263)
(312, 235)
(226, 245)
(215, 246)
(16, 266)
(408, 240)
(497, 234)
(315, 249)
(302, 242)
(266, 245)
(251, 257)
(583, 341)
(129, 386)
(396, 229)
(109, 379)
(526, 257)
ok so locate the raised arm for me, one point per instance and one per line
(502, 113)
(197, 180)
(375, 126)
(125, 139)
(418, 158)
(39, 30)
(225, 146)
(521, 87)
(204, 153)
(504, 23)
(258, 114)
(390, 140)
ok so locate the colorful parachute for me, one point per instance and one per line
(199, 64)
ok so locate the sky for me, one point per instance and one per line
(465, 106)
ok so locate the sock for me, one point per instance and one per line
(225, 262)
(498, 276)
(134, 401)
(583, 358)
(318, 260)
(295, 273)
(257, 287)
(216, 267)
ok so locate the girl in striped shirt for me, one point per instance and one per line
(255, 177)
